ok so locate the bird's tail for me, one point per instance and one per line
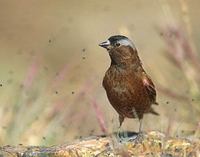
(152, 111)
(156, 103)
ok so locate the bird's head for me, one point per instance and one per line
(121, 49)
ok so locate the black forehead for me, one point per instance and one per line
(115, 38)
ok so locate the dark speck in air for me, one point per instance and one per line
(10, 72)
(46, 68)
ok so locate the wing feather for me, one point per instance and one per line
(150, 88)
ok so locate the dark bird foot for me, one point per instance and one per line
(126, 136)
(140, 137)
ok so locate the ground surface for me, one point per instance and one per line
(150, 145)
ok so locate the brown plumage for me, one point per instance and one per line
(129, 89)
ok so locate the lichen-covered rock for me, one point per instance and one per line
(147, 145)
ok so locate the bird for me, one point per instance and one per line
(129, 88)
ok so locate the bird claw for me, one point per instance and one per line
(140, 137)
(126, 136)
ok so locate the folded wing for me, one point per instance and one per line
(150, 88)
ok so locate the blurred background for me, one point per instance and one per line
(52, 67)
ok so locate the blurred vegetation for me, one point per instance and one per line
(52, 68)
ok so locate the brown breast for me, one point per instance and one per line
(126, 92)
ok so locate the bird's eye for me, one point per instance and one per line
(117, 44)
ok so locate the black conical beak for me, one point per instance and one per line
(105, 44)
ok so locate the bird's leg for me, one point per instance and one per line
(140, 134)
(139, 116)
(140, 126)
(121, 119)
